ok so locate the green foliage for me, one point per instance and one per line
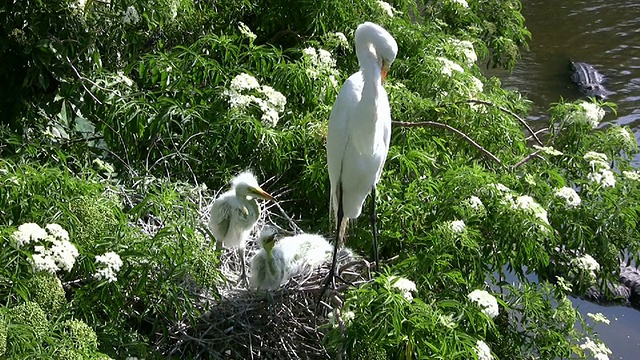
(31, 315)
(3, 334)
(46, 290)
(79, 336)
(151, 87)
(94, 218)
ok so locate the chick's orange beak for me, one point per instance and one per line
(261, 193)
(384, 70)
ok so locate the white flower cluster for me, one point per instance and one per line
(547, 150)
(500, 187)
(487, 302)
(602, 177)
(244, 82)
(476, 87)
(386, 7)
(528, 204)
(597, 160)
(601, 173)
(626, 136)
(246, 32)
(130, 16)
(587, 264)
(465, 48)
(57, 253)
(599, 350)
(462, 3)
(447, 321)
(569, 195)
(404, 285)
(28, 233)
(632, 175)
(121, 78)
(588, 113)
(320, 62)
(271, 102)
(457, 226)
(112, 263)
(347, 317)
(483, 351)
(475, 203)
(448, 66)
(598, 317)
(339, 38)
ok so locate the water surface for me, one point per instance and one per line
(605, 34)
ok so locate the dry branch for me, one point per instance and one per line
(506, 111)
(452, 129)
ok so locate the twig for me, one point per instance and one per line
(450, 128)
(293, 224)
(82, 79)
(527, 158)
(506, 111)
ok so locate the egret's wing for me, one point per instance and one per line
(338, 136)
(220, 215)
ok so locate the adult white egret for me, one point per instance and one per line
(359, 132)
(235, 212)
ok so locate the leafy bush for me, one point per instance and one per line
(122, 115)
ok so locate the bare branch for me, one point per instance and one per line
(450, 128)
(526, 159)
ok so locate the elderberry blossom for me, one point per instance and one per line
(404, 286)
(569, 195)
(483, 351)
(448, 66)
(485, 301)
(386, 7)
(112, 264)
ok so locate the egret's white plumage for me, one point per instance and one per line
(269, 265)
(360, 123)
(304, 252)
(291, 256)
(359, 133)
(235, 212)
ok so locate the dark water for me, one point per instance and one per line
(605, 34)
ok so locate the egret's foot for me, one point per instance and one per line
(330, 280)
(244, 280)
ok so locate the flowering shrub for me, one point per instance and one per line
(121, 115)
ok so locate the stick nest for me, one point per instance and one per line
(283, 324)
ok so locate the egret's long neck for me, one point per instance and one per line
(252, 206)
(370, 66)
(270, 262)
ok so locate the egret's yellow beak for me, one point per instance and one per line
(269, 243)
(384, 69)
(259, 193)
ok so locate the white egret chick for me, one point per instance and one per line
(268, 266)
(304, 252)
(359, 132)
(281, 258)
(234, 214)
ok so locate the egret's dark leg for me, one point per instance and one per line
(243, 271)
(331, 277)
(373, 228)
